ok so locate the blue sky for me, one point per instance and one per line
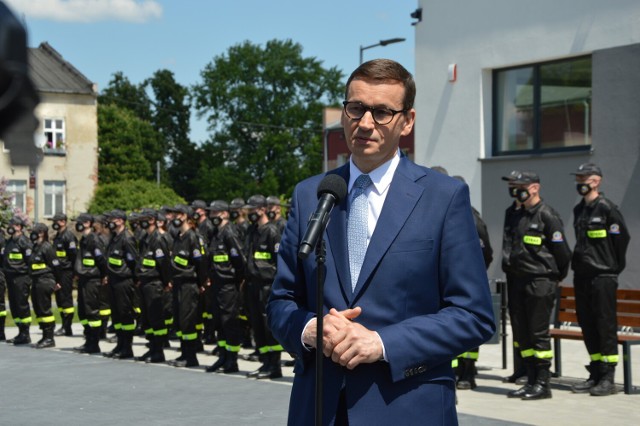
(138, 37)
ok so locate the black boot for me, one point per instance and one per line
(93, 341)
(115, 351)
(540, 389)
(222, 358)
(3, 337)
(157, 350)
(65, 327)
(47, 337)
(264, 359)
(519, 375)
(230, 363)
(126, 350)
(182, 354)
(275, 370)
(606, 384)
(147, 354)
(23, 337)
(531, 377)
(189, 355)
(468, 374)
(103, 326)
(80, 349)
(594, 376)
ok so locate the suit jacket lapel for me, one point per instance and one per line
(337, 237)
(403, 195)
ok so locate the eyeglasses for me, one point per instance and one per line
(381, 116)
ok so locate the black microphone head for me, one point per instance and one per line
(333, 184)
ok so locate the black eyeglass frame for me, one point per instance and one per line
(372, 111)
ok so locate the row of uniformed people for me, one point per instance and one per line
(112, 258)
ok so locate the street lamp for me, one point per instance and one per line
(380, 43)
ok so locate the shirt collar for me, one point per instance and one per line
(381, 176)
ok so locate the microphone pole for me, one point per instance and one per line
(321, 274)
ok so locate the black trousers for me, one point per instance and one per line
(258, 297)
(105, 301)
(225, 310)
(153, 307)
(89, 301)
(64, 296)
(3, 290)
(532, 303)
(41, 292)
(19, 287)
(122, 313)
(596, 301)
(189, 313)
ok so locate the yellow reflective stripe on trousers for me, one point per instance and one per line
(233, 348)
(534, 241)
(610, 359)
(3, 313)
(116, 262)
(95, 324)
(597, 233)
(543, 354)
(104, 312)
(149, 262)
(276, 348)
(191, 336)
(596, 357)
(527, 353)
(200, 326)
(181, 261)
(88, 262)
(168, 321)
(162, 332)
(137, 310)
(262, 255)
(46, 320)
(38, 266)
(454, 363)
(67, 310)
(84, 322)
(469, 355)
(218, 258)
(128, 327)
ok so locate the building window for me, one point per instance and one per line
(53, 197)
(18, 189)
(543, 107)
(54, 135)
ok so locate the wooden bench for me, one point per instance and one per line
(628, 318)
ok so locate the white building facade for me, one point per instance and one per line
(545, 86)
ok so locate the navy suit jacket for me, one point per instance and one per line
(423, 287)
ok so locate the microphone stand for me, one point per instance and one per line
(320, 273)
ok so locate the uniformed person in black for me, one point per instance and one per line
(226, 272)
(599, 257)
(538, 259)
(3, 290)
(16, 269)
(205, 230)
(66, 245)
(238, 217)
(44, 267)
(91, 269)
(466, 368)
(274, 212)
(102, 232)
(167, 297)
(263, 242)
(154, 274)
(138, 235)
(189, 279)
(121, 257)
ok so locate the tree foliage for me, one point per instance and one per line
(264, 106)
(131, 195)
(126, 145)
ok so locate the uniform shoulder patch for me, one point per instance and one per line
(197, 254)
(159, 253)
(614, 229)
(72, 244)
(557, 237)
(276, 247)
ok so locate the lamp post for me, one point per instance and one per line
(380, 43)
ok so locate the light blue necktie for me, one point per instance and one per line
(357, 227)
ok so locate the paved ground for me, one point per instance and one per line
(59, 387)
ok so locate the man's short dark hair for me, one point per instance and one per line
(386, 70)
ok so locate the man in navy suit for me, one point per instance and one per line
(420, 296)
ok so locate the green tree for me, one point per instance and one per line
(124, 142)
(120, 91)
(171, 114)
(130, 195)
(264, 106)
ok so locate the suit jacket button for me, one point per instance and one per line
(422, 369)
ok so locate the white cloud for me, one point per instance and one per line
(88, 10)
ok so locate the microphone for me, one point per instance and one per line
(331, 190)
